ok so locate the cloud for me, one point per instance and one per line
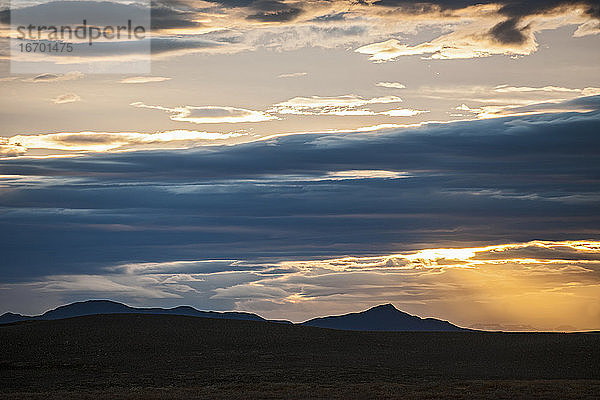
(177, 267)
(168, 15)
(578, 104)
(588, 28)
(210, 114)
(104, 141)
(562, 276)
(101, 284)
(333, 105)
(508, 31)
(542, 252)
(404, 112)
(122, 54)
(44, 78)
(514, 28)
(526, 89)
(293, 75)
(292, 209)
(8, 149)
(591, 91)
(504, 100)
(348, 105)
(143, 79)
(66, 98)
(273, 11)
(166, 39)
(456, 45)
(430, 279)
(284, 15)
(502, 27)
(391, 85)
(476, 29)
(501, 94)
(167, 46)
(366, 174)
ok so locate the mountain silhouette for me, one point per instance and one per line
(384, 317)
(380, 318)
(93, 307)
(9, 317)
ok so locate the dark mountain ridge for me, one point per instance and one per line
(380, 318)
(384, 317)
(95, 307)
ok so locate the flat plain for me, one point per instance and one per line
(169, 357)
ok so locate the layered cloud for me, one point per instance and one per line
(479, 287)
(66, 98)
(334, 105)
(480, 103)
(144, 79)
(460, 44)
(531, 105)
(458, 181)
(104, 141)
(527, 89)
(503, 27)
(293, 75)
(378, 28)
(8, 149)
(493, 280)
(47, 77)
(210, 114)
(318, 223)
(391, 85)
(346, 105)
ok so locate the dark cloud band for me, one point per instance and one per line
(508, 31)
(491, 181)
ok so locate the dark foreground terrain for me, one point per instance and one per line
(164, 357)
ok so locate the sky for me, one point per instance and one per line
(306, 158)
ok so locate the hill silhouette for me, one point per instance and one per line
(385, 317)
(96, 307)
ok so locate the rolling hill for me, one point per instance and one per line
(385, 317)
(96, 307)
(380, 318)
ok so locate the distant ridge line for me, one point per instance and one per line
(383, 317)
(95, 307)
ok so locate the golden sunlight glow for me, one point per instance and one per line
(538, 285)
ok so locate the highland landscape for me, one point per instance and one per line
(165, 356)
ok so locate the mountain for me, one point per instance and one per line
(9, 317)
(93, 307)
(380, 318)
(385, 317)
